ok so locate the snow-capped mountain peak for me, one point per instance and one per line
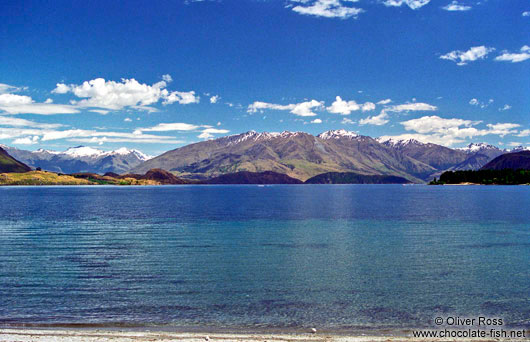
(520, 148)
(476, 147)
(392, 142)
(125, 151)
(83, 151)
(337, 134)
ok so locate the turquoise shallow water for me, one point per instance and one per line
(336, 257)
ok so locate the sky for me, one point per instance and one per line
(157, 75)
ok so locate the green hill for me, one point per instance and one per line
(9, 164)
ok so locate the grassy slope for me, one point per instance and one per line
(50, 178)
(10, 164)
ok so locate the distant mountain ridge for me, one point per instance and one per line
(80, 159)
(297, 154)
(301, 155)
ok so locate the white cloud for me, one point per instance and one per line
(16, 122)
(481, 104)
(27, 140)
(413, 4)
(6, 88)
(464, 57)
(127, 120)
(455, 6)
(451, 131)
(166, 127)
(113, 95)
(502, 129)
(436, 124)
(377, 120)
(526, 14)
(167, 78)
(206, 130)
(208, 133)
(61, 88)
(326, 8)
(316, 121)
(523, 55)
(505, 107)
(339, 106)
(305, 108)
(214, 99)
(384, 102)
(100, 111)
(21, 104)
(411, 107)
(524, 133)
(346, 121)
(101, 140)
(181, 97)
(300, 109)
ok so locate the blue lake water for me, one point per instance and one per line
(335, 257)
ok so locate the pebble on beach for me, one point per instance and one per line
(313, 331)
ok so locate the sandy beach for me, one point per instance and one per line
(93, 335)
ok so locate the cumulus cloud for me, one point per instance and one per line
(27, 140)
(181, 97)
(113, 95)
(526, 14)
(454, 130)
(21, 104)
(316, 121)
(505, 107)
(377, 120)
(339, 106)
(471, 55)
(413, 4)
(455, 6)
(167, 78)
(326, 8)
(522, 55)
(384, 102)
(214, 99)
(299, 109)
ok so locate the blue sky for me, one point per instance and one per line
(160, 74)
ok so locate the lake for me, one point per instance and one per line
(337, 257)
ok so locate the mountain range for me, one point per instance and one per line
(80, 159)
(296, 154)
(301, 155)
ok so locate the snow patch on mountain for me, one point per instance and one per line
(399, 142)
(477, 147)
(338, 134)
